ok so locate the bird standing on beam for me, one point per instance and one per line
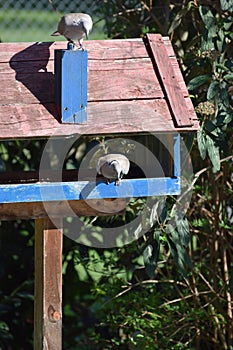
(74, 27)
(113, 167)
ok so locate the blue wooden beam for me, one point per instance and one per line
(56, 191)
(70, 69)
(176, 156)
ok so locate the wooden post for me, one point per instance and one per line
(70, 68)
(48, 285)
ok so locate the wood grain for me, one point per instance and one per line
(39, 121)
(92, 207)
(48, 285)
(124, 92)
(167, 77)
(97, 49)
(28, 82)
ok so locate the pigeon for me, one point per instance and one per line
(74, 27)
(113, 166)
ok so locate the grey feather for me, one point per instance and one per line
(113, 166)
(74, 27)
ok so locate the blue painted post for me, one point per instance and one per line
(70, 69)
(176, 156)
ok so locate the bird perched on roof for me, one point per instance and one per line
(113, 166)
(74, 27)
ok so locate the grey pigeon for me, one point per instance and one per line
(74, 27)
(113, 166)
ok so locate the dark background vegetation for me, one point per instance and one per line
(123, 298)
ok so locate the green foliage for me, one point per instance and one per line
(215, 45)
(198, 81)
(151, 255)
(16, 280)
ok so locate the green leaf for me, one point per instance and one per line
(213, 152)
(177, 20)
(213, 90)
(224, 118)
(220, 42)
(226, 5)
(177, 257)
(150, 257)
(201, 141)
(207, 17)
(223, 101)
(228, 77)
(162, 211)
(227, 22)
(198, 81)
(183, 229)
(207, 40)
(184, 256)
(173, 234)
(212, 128)
(222, 66)
(178, 249)
(210, 31)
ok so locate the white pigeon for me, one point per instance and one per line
(113, 166)
(74, 27)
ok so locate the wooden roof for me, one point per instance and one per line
(134, 85)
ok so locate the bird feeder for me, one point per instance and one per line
(135, 89)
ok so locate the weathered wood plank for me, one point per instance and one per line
(120, 73)
(122, 66)
(169, 47)
(29, 67)
(35, 210)
(175, 65)
(24, 121)
(24, 61)
(97, 49)
(168, 80)
(27, 88)
(123, 84)
(103, 118)
(125, 81)
(48, 285)
(103, 86)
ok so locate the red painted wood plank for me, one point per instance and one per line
(26, 67)
(27, 88)
(97, 49)
(169, 47)
(103, 118)
(119, 70)
(175, 65)
(179, 76)
(138, 76)
(123, 80)
(168, 80)
(24, 52)
(23, 121)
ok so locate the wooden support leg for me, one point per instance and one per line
(48, 285)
